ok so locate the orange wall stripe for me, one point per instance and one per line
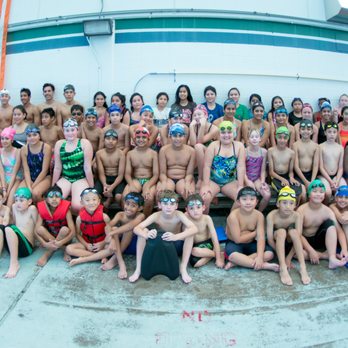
(4, 41)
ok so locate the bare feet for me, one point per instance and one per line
(44, 258)
(270, 266)
(185, 276)
(67, 257)
(334, 263)
(305, 277)
(285, 277)
(77, 261)
(229, 265)
(122, 273)
(203, 261)
(134, 277)
(110, 264)
(12, 271)
(104, 260)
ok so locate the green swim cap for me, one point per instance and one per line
(282, 130)
(226, 125)
(314, 184)
(23, 192)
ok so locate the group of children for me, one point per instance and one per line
(140, 165)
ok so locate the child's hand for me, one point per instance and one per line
(219, 263)
(206, 190)
(152, 234)
(284, 182)
(193, 123)
(90, 247)
(169, 237)
(314, 257)
(332, 184)
(108, 238)
(135, 186)
(250, 183)
(258, 262)
(344, 254)
(293, 181)
(98, 246)
(289, 264)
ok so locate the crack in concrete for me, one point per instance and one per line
(20, 295)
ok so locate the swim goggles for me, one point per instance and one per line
(306, 124)
(167, 200)
(71, 123)
(193, 203)
(226, 129)
(287, 194)
(142, 132)
(52, 194)
(89, 190)
(331, 125)
(32, 129)
(91, 112)
(76, 113)
(136, 198)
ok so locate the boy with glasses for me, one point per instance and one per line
(177, 229)
(284, 229)
(55, 227)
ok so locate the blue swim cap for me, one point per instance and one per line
(325, 105)
(229, 101)
(146, 108)
(114, 108)
(176, 128)
(92, 112)
(342, 191)
(281, 110)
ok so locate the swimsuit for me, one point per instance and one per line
(109, 181)
(343, 135)
(277, 184)
(143, 181)
(253, 166)
(25, 248)
(318, 240)
(224, 169)
(261, 129)
(8, 162)
(20, 139)
(207, 244)
(72, 163)
(242, 248)
(321, 134)
(35, 161)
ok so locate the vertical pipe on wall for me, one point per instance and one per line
(4, 42)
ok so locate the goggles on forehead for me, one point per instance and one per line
(321, 185)
(70, 123)
(226, 129)
(89, 190)
(306, 125)
(141, 132)
(331, 125)
(193, 203)
(52, 194)
(167, 200)
(137, 199)
(287, 194)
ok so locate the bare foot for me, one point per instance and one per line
(12, 271)
(229, 265)
(285, 277)
(104, 260)
(324, 255)
(290, 266)
(67, 257)
(270, 266)
(203, 261)
(134, 277)
(122, 273)
(112, 262)
(334, 263)
(75, 262)
(185, 276)
(305, 277)
(44, 258)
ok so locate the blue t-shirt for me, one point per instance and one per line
(214, 114)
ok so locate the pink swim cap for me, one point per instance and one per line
(202, 108)
(8, 132)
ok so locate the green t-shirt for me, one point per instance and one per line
(241, 113)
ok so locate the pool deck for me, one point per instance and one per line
(82, 306)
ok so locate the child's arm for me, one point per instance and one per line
(87, 163)
(338, 214)
(315, 166)
(163, 165)
(129, 226)
(189, 171)
(235, 232)
(292, 136)
(193, 137)
(71, 226)
(154, 178)
(57, 163)
(15, 170)
(213, 235)
(241, 164)
(26, 170)
(315, 134)
(121, 170)
(153, 136)
(7, 215)
(272, 135)
(264, 166)
(2, 179)
(260, 235)
(291, 170)
(340, 168)
(322, 165)
(141, 230)
(101, 139)
(100, 166)
(190, 229)
(342, 241)
(266, 133)
(270, 230)
(298, 171)
(47, 152)
(128, 171)
(211, 135)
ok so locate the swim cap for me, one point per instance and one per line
(23, 192)
(114, 108)
(314, 184)
(111, 133)
(282, 130)
(229, 101)
(141, 131)
(246, 191)
(226, 125)
(342, 191)
(91, 112)
(325, 105)
(256, 105)
(89, 190)
(32, 128)
(202, 108)
(306, 123)
(69, 87)
(331, 124)
(136, 197)
(176, 128)
(4, 92)
(146, 108)
(307, 105)
(286, 194)
(70, 122)
(280, 110)
(8, 132)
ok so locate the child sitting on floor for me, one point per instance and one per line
(205, 243)
(19, 236)
(55, 226)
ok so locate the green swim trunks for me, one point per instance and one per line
(143, 181)
(25, 248)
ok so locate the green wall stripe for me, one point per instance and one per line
(230, 24)
(36, 33)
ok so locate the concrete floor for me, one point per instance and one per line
(58, 306)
